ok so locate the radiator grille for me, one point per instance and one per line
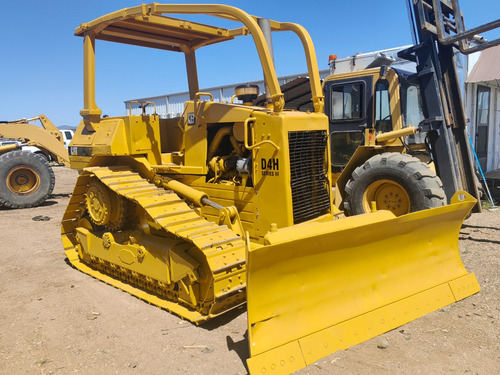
(310, 195)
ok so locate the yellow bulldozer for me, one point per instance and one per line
(26, 178)
(231, 203)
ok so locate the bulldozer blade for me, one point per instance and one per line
(316, 288)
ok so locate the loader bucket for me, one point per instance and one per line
(316, 288)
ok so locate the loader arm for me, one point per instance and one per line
(36, 136)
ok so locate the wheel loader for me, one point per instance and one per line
(231, 204)
(26, 178)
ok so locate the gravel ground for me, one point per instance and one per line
(56, 320)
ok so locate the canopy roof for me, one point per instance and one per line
(145, 26)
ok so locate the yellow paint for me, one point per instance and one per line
(355, 283)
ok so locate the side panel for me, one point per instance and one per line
(194, 144)
(116, 136)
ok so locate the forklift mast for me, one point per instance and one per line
(438, 31)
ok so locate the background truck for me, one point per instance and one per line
(231, 203)
(26, 178)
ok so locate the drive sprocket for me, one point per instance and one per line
(105, 207)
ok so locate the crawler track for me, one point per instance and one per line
(222, 252)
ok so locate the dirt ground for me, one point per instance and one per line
(57, 320)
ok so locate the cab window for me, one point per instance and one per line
(412, 107)
(413, 114)
(343, 145)
(383, 120)
(347, 102)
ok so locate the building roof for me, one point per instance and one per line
(487, 67)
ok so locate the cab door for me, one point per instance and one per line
(482, 125)
(349, 108)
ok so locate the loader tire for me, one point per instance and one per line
(26, 179)
(396, 182)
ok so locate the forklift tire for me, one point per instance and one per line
(26, 179)
(396, 182)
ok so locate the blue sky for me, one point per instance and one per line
(41, 62)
